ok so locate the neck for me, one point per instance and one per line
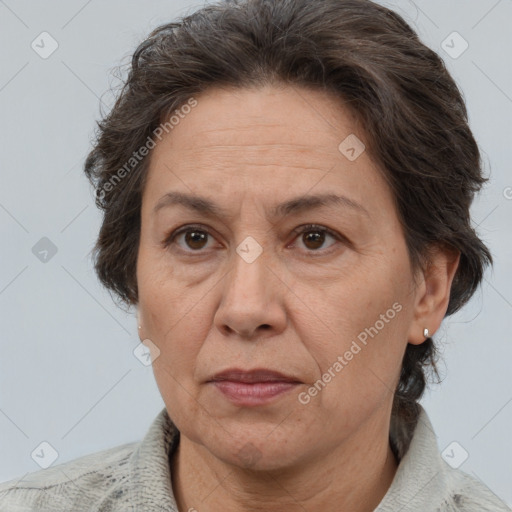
(353, 477)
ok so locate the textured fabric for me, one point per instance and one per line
(135, 477)
(425, 482)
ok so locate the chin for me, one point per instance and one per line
(256, 452)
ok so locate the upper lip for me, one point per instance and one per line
(255, 375)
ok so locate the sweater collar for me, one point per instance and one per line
(421, 477)
(150, 469)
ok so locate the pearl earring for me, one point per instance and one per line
(140, 326)
(425, 332)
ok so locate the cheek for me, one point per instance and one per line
(175, 318)
(179, 396)
(178, 328)
(179, 339)
(164, 299)
(356, 378)
(359, 339)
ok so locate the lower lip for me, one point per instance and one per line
(258, 393)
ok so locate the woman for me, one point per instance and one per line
(286, 190)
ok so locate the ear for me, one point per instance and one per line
(433, 292)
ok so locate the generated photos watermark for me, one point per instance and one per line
(343, 360)
(143, 151)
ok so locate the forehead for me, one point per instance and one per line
(295, 119)
(268, 140)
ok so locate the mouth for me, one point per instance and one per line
(254, 387)
(253, 376)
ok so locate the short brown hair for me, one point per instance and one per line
(414, 117)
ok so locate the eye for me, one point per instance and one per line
(195, 238)
(314, 236)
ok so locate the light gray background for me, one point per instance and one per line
(67, 372)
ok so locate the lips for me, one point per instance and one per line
(253, 388)
(253, 376)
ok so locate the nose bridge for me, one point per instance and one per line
(249, 297)
(247, 282)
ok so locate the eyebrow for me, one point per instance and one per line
(295, 205)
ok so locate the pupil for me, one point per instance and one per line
(189, 237)
(315, 237)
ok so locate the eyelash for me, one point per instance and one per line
(169, 239)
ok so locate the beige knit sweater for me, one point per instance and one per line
(135, 477)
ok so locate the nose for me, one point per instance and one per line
(252, 300)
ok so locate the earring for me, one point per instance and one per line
(425, 332)
(140, 326)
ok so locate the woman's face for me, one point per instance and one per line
(248, 285)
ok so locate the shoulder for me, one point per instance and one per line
(468, 494)
(132, 477)
(425, 481)
(75, 485)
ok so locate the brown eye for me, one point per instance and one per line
(196, 239)
(313, 239)
(191, 239)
